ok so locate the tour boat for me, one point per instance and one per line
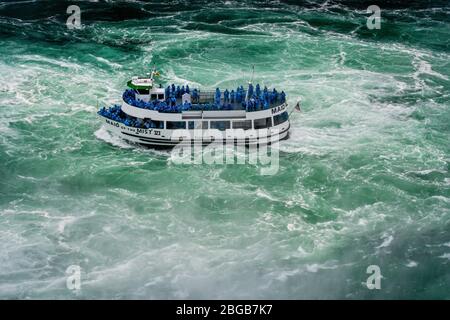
(163, 117)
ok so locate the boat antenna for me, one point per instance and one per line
(153, 71)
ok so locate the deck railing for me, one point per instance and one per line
(203, 101)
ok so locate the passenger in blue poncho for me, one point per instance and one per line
(167, 92)
(253, 104)
(194, 94)
(226, 95)
(282, 97)
(275, 95)
(266, 96)
(271, 97)
(257, 103)
(217, 100)
(250, 90)
(232, 96)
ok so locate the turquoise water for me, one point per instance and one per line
(363, 180)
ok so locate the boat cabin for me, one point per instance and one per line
(145, 90)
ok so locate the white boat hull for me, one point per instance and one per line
(163, 138)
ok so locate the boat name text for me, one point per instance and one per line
(278, 109)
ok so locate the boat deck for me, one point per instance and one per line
(202, 101)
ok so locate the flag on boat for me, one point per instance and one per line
(155, 72)
(297, 107)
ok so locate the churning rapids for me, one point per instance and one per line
(363, 179)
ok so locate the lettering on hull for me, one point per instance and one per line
(278, 109)
(115, 124)
(137, 131)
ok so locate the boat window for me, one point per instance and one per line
(153, 96)
(142, 91)
(161, 96)
(197, 124)
(150, 124)
(158, 124)
(280, 118)
(245, 124)
(263, 123)
(220, 125)
(176, 125)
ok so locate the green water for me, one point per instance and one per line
(363, 180)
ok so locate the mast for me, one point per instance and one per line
(250, 82)
(153, 72)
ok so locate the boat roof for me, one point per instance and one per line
(140, 83)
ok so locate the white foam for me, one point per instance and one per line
(107, 62)
(262, 194)
(317, 266)
(424, 67)
(55, 62)
(64, 222)
(412, 264)
(387, 242)
(445, 256)
(106, 136)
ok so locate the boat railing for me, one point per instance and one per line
(203, 100)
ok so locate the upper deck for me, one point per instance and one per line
(176, 99)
